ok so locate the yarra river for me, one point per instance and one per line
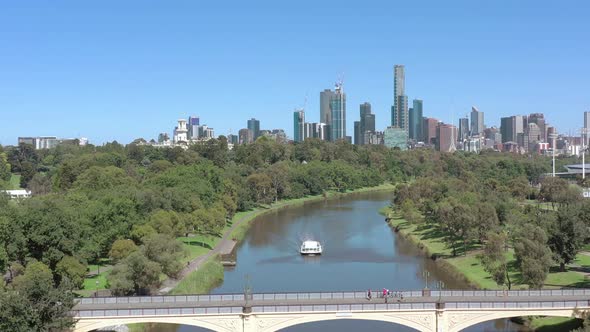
(360, 251)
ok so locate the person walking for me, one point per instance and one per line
(369, 294)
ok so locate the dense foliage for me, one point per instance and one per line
(128, 203)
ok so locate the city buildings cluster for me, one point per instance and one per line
(48, 142)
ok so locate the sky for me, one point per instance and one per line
(119, 70)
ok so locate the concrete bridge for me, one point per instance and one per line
(427, 311)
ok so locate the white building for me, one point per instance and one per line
(16, 194)
(181, 132)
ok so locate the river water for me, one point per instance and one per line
(360, 252)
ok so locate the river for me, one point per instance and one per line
(360, 252)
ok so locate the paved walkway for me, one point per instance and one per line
(224, 246)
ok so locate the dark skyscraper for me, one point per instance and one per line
(415, 123)
(254, 126)
(366, 123)
(357, 133)
(325, 113)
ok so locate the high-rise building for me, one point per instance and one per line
(446, 135)
(429, 130)
(357, 133)
(399, 87)
(308, 128)
(299, 126)
(476, 121)
(245, 136)
(415, 123)
(463, 129)
(366, 123)
(587, 120)
(338, 111)
(510, 127)
(254, 125)
(232, 139)
(193, 127)
(325, 110)
(539, 120)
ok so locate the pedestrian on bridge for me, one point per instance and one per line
(369, 294)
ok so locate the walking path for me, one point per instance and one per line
(224, 246)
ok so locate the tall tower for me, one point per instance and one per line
(399, 110)
(254, 126)
(338, 111)
(476, 121)
(415, 121)
(299, 126)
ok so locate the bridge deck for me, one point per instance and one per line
(320, 301)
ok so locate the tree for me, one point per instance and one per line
(552, 189)
(37, 304)
(494, 259)
(70, 268)
(40, 184)
(566, 236)
(4, 168)
(135, 275)
(166, 251)
(533, 256)
(121, 249)
(261, 187)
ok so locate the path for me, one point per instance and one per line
(222, 247)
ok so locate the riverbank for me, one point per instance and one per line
(469, 268)
(236, 233)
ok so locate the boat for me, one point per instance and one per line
(311, 248)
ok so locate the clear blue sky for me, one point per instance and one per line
(114, 69)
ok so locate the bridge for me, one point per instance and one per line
(425, 310)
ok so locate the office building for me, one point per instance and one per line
(463, 129)
(415, 123)
(193, 127)
(373, 137)
(338, 111)
(299, 126)
(233, 139)
(476, 122)
(325, 110)
(510, 127)
(254, 126)
(446, 135)
(587, 120)
(308, 130)
(394, 137)
(532, 136)
(429, 130)
(245, 136)
(357, 133)
(539, 120)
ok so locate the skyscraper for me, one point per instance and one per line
(338, 111)
(476, 121)
(429, 130)
(357, 133)
(298, 126)
(415, 122)
(587, 120)
(539, 120)
(463, 129)
(366, 123)
(254, 126)
(399, 89)
(193, 127)
(446, 135)
(325, 111)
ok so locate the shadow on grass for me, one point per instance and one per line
(198, 243)
(567, 325)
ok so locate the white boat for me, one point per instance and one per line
(311, 248)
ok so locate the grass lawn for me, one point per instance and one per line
(202, 280)
(15, 181)
(555, 324)
(469, 265)
(94, 283)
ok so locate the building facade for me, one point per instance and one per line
(477, 124)
(415, 123)
(394, 137)
(254, 126)
(446, 136)
(429, 130)
(299, 126)
(338, 111)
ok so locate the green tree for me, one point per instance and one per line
(166, 251)
(566, 236)
(533, 256)
(135, 275)
(4, 168)
(121, 249)
(494, 259)
(69, 268)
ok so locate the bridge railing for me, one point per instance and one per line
(339, 309)
(509, 293)
(326, 295)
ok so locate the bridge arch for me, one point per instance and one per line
(458, 321)
(225, 324)
(419, 321)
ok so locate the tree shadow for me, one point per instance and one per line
(198, 243)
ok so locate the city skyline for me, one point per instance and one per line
(134, 78)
